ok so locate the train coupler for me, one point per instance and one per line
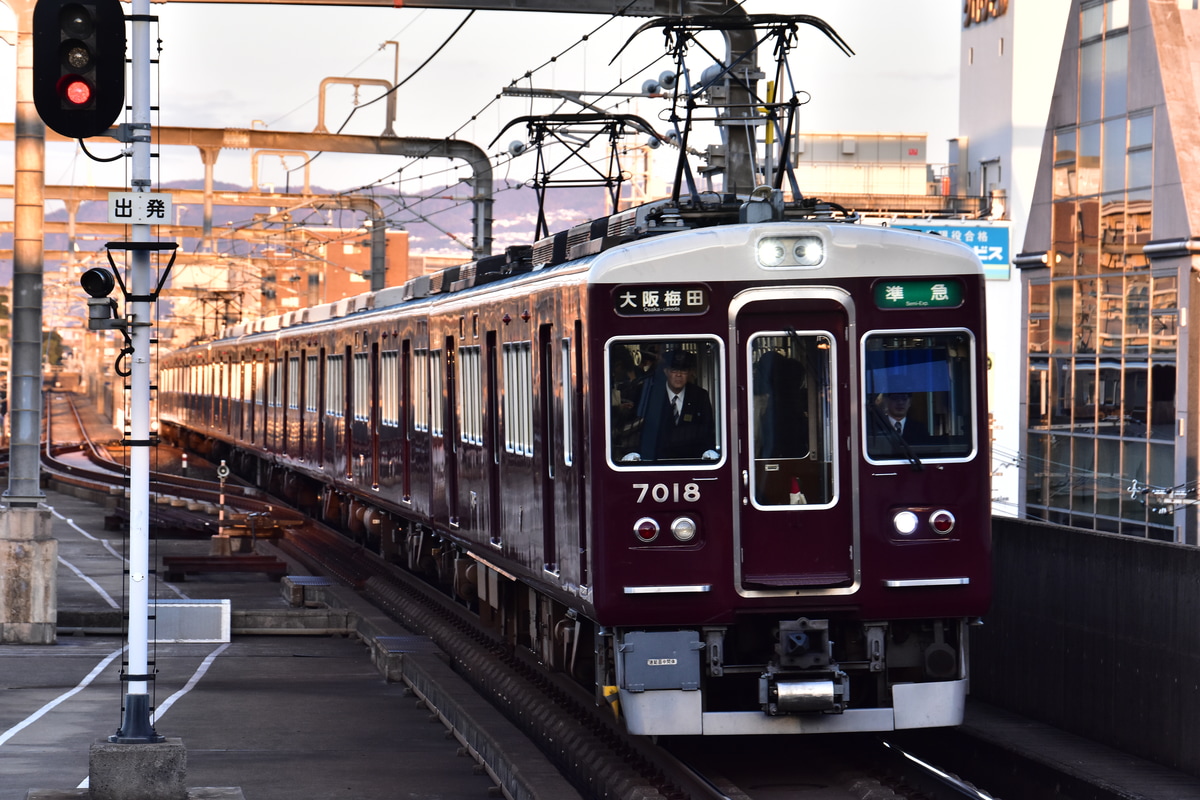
(793, 693)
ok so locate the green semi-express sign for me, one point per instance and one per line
(918, 294)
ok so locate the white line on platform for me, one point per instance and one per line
(41, 712)
(104, 542)
(162, 709)
(199, 673)
(107, 597)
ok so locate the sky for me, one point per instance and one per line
(241, 66)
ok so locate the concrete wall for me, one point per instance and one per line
(1095, 634)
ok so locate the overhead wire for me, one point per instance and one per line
(499, 159)
(525, 76)
(410, 76)
(394, 36)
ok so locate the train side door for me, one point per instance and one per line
(493, 445)
(373, 415)
(797, 527)
(548, 421)
(452, 433)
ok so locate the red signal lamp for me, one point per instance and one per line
(75, 90)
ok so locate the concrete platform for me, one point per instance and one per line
(302, 706)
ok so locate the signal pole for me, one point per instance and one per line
(140, 209)
(136, 725)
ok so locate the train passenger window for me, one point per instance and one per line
(274, 380)
(437, 378)
(362, 387)
(920, 399)
(420, 390)
(312, 389)
(470, 396)
(389, 390)
(335, 386)
(666, 401)
(791, 418)
(293, 382)
(518, 398)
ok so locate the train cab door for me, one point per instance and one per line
(797, 528)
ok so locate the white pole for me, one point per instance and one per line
(136, 725)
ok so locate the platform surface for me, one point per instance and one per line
(281, 716)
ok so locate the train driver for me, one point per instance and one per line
(895, 407)
(893, 429)
(678, 421)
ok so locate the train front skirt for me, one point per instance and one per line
(659, 677)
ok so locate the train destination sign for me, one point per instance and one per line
(918, 294)
(646, 299)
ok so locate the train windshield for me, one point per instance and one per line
(920, 401)
(665, 401)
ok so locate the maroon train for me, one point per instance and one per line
(781, 558)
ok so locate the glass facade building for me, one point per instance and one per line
(1106, 271)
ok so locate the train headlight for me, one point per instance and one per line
(771, 252)
(809, 251)
(942, 521)
(796, 251)
(905, 523)
(646, 530)
(684, 529)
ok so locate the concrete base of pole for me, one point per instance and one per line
(155, 771)
(28, 582)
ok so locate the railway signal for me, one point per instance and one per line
(79, 65)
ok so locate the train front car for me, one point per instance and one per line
(791, 503)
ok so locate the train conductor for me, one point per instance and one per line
(678, 413)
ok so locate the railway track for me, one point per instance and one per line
(562, 718)
(73, 459)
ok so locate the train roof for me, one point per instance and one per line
(644, 226)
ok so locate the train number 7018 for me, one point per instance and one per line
(662, 492)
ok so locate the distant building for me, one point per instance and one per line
(342, 268)
(1109, 384)
(1007, 54)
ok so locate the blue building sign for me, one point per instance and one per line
(988, 240)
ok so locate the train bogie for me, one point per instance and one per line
(736, 475)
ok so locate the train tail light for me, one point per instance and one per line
(646, 530)
(942, 521)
